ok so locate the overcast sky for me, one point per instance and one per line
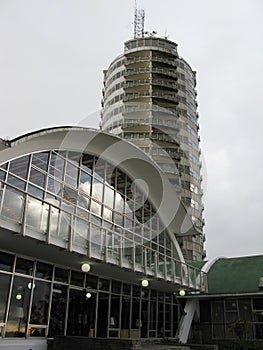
(52, 53)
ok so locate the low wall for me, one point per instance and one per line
(23, 344)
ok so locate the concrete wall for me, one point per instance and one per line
(23, 344)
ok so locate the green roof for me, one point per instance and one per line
(235, 275)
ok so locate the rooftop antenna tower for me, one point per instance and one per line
(139, 17)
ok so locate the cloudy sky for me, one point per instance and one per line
(51, 60)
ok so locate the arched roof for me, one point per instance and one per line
(123, 154)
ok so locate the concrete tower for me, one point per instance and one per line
(149, 98)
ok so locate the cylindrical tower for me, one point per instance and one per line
(149, 97)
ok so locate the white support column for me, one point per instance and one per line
(191, 306)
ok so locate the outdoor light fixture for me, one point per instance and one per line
(30, 285)
(18, 296)
(85, 267)
(182, 292)
(145, 283)
(88, 295)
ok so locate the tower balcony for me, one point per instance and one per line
(169, 61)
(159, 95)
(159, 82)
(148, 70)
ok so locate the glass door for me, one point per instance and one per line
(81, 313)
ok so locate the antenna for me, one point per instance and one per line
(139, 17)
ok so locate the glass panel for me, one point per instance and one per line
(116, 287)
(245, 315)
(98, 239)
(99, 168)
(6, 261)
(108, 196)
(102, 319)
(71, 175)
(61, 275)
(40, 160)
(136, 322)
(96, 208)
(56, 167)
(168, 320)
(160, 317)
(104, 284)
(125, 317)
(37, 331)
(81, 232)
(85, 183)
(144, 319)
(152, 320)
(65, 226)
(53, 224)
(18, 312)
(58, 310)
(37, 178)
(70, 195)
(77, 278)
(81, 314)
(35, 191)
(4, 291)
(16, 182)
(37, 214)
(97, 190)
(115, 312)
(218, 319)
(19, 166)
(120, 179)
(54, 186)
(87, 163)
(44, 271)
(91, 282)
(39, 310)
(24, 266)
(119, 203)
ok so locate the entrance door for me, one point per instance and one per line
(81, 313)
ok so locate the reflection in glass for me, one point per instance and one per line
(6, 261)
(4, 290)
(37, 214)
(39, 309)
(102, 320)
(18, 312)
(44, 270)
(24, 266)
(13, 204)
(40, 160)
(19, 166)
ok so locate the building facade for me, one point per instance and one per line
(86, 249)
(149, 98)
(231, 312)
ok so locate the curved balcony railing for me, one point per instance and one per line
(169, 61)
(136, 95)
(44, 221)
(135, 83)
(164, 71)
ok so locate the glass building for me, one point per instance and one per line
(149, 98)
(88, 239)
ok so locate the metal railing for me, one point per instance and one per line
(45, 221)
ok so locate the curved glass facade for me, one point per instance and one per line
(84, 204)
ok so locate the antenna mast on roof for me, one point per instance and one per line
(139, 16)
